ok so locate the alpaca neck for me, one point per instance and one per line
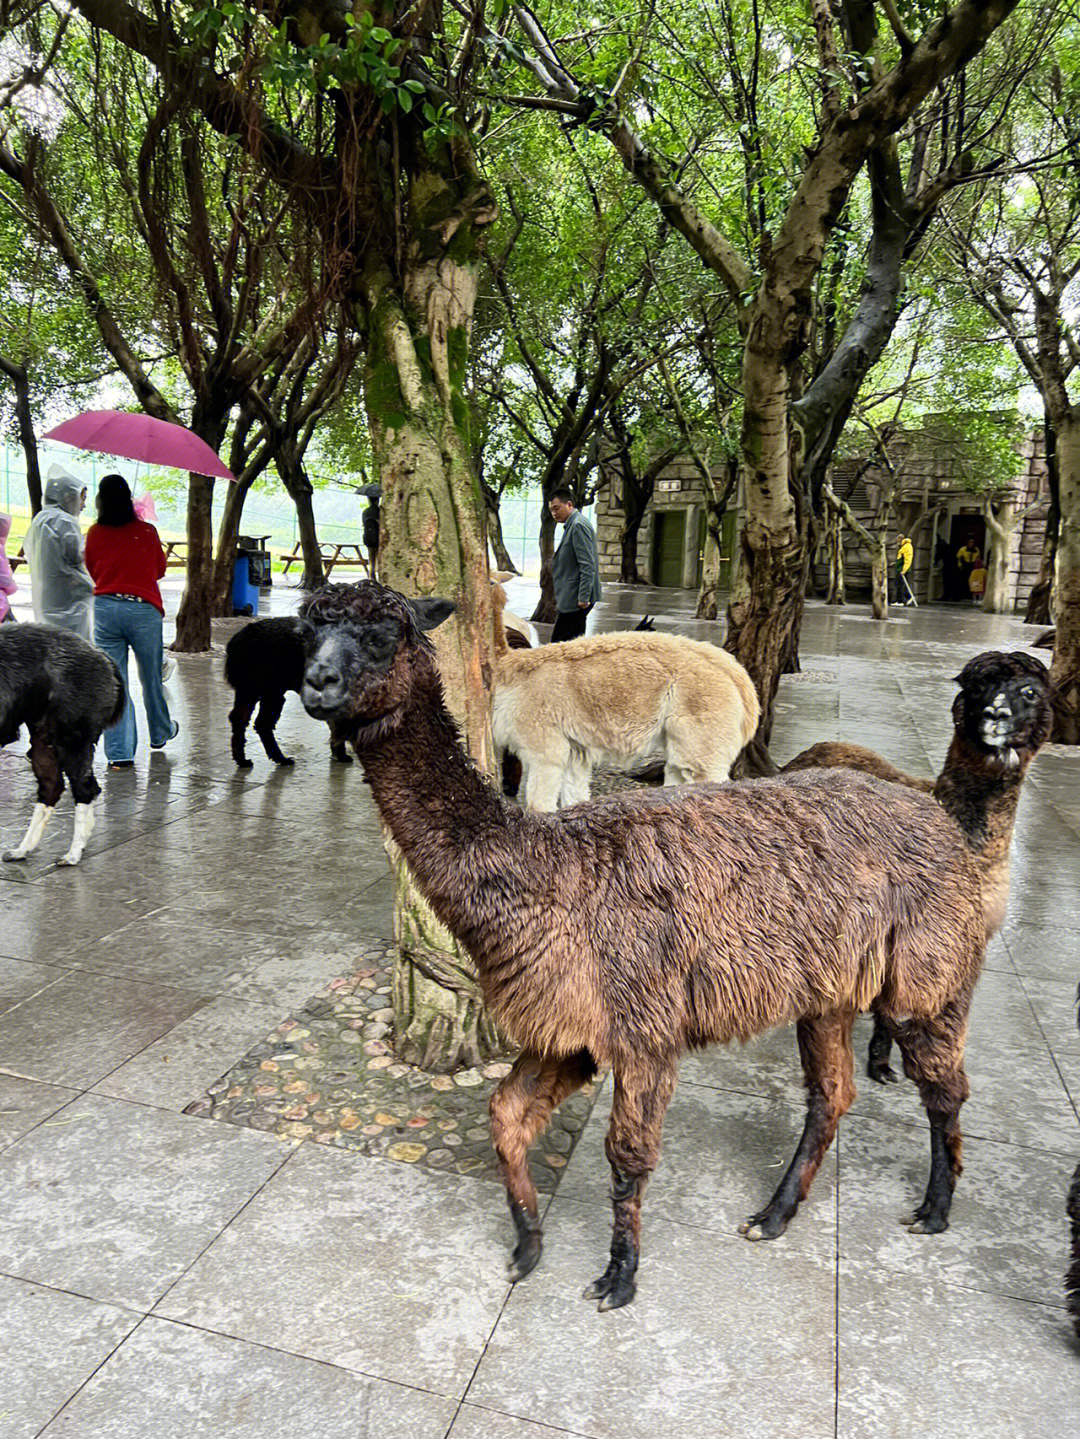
(447, 821)
(981, 794)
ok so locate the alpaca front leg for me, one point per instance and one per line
(642, 1095)
(84, 827)
(828, 1065)
(1072, 1278)
(520, 1109)
(34, 830)
(239, 719)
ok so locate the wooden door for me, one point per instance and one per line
(669, 547)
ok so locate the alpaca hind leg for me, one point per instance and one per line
(877, 1057)
(642, 1095)
(239, 719)
(543, 784)
(576, 780)
(1072, 1279)
(270, 707)
(933, 1053)
(339, 738)
(520, 1109)
(79, 768)
(50, 780)
(828, 1066)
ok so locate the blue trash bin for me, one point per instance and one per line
(245, 593)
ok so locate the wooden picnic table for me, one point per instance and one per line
(173, 559)
(333, 555)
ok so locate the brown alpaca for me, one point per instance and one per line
(627, 930)
(977, 789)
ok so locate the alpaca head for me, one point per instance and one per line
(367, 654)
(1003, 707)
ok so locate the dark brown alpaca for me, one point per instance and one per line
(1002, 713)
(627, 930)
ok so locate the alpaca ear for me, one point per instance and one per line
(430, 613)
(1031, 663)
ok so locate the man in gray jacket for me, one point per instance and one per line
(59, 580)
(575, 568)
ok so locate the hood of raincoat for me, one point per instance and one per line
(63, 490)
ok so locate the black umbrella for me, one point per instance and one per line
(371, 492)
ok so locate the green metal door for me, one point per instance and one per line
(669, 546)
(727, 548)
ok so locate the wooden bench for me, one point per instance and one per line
(173, 559)
(333, 555)
(19, 559)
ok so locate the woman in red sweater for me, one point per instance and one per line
(125, 560)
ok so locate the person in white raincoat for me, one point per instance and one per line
(60, 583)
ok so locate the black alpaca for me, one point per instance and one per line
(263, 662)
(66, 692)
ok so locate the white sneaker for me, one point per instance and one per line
(168, 669)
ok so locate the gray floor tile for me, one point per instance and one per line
(19, 979)
(53, 1342)
(723, 1156)
(1005, 1232)
(768, 1064)
(1055, 1009)
(180, 1066)
(171, 1380)
(26, 1102)
(336, 1243)
(758, 1366)
(191, 955)
(919, 1358)
(1018, 1100)
(85, 1025)
(114, 1201)
(476, 1423)
(1044, 952)
(45, 928)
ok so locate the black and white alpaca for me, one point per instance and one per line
(66, 692)
(263, 662)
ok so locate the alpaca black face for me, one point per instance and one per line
(349, 669)
(1005, 703)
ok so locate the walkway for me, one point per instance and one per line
(163, 1273)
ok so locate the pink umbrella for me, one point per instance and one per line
(140, 437)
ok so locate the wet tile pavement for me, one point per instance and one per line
(161, 1272)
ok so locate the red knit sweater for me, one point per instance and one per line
(126, 560)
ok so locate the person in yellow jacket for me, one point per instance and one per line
(905, 554)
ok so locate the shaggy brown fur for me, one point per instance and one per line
(627, 930)
(852, 756)
(979, 783)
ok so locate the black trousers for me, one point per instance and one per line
(569, 626)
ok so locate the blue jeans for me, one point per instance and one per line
(119, 624)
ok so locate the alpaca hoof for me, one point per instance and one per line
(340, 756)
(245, 764)
(919, 1223)
(12, 856)
(284, 761)
(612, 1289)
(66, 861)
(766, 1225)
(524, 1259)
(882, 1073)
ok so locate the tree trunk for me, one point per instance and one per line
(24, 415)
(300, 492)
(494, 532)
(879, 577)
(545, 612)
(1002, 530)
(434, 544)
(834, 558)
(193, 616)
(629, 574)
(1039, 606)
(209, 419)
(1065, 670)
(708, 600)
(228, 534)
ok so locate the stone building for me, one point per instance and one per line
(672, 534)
(932, 503)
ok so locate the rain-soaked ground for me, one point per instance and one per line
(331, 1260)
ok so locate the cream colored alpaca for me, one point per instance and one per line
(617, 699)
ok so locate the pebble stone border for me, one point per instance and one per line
(328, 1075)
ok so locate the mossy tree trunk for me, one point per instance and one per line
(434, 543)
(1065, 670)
